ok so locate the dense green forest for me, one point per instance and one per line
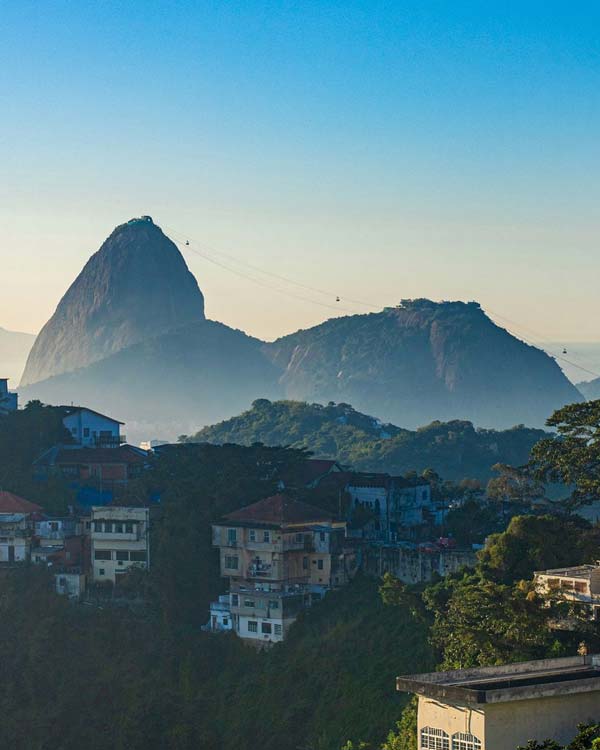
(454, 449)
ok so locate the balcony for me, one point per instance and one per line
(109, 441)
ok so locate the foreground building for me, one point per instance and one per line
(501, 708)
(280, 555)
(120, 540)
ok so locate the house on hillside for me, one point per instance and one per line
(279, 555)
(578, 585)
(503, 707)
(105, 470)
(90, 429)
(9, 401)
(17, 518)
(120, 540)
(396, 505)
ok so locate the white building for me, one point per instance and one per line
(15, 537)
(90, 429)
(8, 401)
(120, 540)
(70, 582)
(220, 615)
(579, 585)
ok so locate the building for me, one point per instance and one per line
(120, 540)
(90, 429)
(501, 708)
(397, 505)
(279, 555)
(8, 401)
(51, 530)
(104, 469)
(16, 527)
(71, 582)
(579, 585)
(220, 615)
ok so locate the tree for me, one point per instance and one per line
(573, 457)
(514, 485)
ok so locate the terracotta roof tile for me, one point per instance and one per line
(280, 510)
(10, 503)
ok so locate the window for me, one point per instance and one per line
(101, 572)
(62, 581)
(277, 629)
(266, 628)
(266, 536)
(320, 564)
(86, 432)
(252, 626)
(305, 563)
(97, 525)
(88, 525)
(129, 528)
(231, 562)
(235, 600)
(118, 528)
(225, 622)
(232, 536)
(107, 527)
(53, 525)
(322, 536)
(249, 603)
(465, 741)
(102, 554)
(138, 555)
(122, 554)
(299, 537)
(434, 739)
(273, 604)
(252, 535)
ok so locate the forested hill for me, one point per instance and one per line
(454, 449)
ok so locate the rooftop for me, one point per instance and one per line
(10, 503)
(74, 454)
(279, 510)
(510, 682)
(578, 571)
(69, 410)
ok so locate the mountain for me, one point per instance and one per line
(130, 338)
(454, 449)
(423, 361)
(14, 348)
(590, 389)
(136, 286)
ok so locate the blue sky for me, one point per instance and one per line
(377, 150)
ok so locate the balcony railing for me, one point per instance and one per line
(109, 441)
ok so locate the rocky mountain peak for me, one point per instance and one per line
(136, 286)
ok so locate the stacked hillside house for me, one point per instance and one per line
(17, 523)
(279, 555)
(9, 401)
(579, 586)
(120, 540)
(96, 460)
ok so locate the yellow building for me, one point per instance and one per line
(279, 555)
(500, 708)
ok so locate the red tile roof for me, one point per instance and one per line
(280, 510)
(10, 503)
(315, 468)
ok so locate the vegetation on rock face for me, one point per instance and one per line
(454, 449)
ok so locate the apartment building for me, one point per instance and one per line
(279, 555)
(120, 540)
(503, 707)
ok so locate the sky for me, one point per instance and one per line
(372, 150)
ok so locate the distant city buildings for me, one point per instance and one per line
(503, 707)
(9, 401)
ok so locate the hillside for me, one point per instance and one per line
(454, 449)
(423, 361)
(14, 349)
(590, 389)
(137, 286)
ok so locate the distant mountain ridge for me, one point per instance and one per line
(455, 450)
(131, 334)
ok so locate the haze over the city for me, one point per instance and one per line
(376, 151)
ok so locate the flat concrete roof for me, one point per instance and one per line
(579, 571)
(510, 682)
